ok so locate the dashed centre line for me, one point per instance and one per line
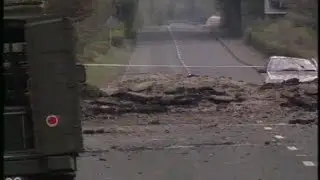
(308, 163)
(178, 51)
(292, 148)
(301, 155)
(279, 137)
(267, 128)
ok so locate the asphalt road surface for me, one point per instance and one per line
(189, 49)
(259, 151)
(248, 152)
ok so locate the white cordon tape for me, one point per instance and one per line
(52, 116)
(169, 66)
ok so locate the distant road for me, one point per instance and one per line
(186, 44)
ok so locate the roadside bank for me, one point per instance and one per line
(293, 35)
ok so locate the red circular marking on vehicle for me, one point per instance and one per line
(52, 120)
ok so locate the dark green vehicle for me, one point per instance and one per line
(42, 127)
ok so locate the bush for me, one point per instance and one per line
(283, 37)
(295, 34)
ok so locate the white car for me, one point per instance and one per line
(213, 23)
(281, 68)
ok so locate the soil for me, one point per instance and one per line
(167, 99)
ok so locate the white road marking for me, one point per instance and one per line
(179, 147)
(172, 66)
(178, 51)
(206, 145)
(244, 125)
(308, 163)
(279, 137)
(267, 128)
(292, 148)
(301, 155)
(179, 55)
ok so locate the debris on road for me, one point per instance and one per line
(160, 94)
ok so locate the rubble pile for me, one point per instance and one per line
(168, 94)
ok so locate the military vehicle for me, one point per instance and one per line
(42, 128)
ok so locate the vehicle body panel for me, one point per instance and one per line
(53, 89)
(54, 85)
(281, 68)
(213, 23)
(29, 163)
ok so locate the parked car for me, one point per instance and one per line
(282, 68)
(279, 4)
(213, 23)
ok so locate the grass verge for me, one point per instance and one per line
(100, 76)
(99, 51)
(283, 37)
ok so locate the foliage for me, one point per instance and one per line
(125, 11)
(282, 37)
(295, 34)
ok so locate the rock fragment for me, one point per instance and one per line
(174, 90)
(144, 86)
(221, 99)
(291, 82)
(302, 121)
(311, 91)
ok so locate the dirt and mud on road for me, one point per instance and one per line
(167, 99)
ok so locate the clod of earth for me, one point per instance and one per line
(221, 99)
(311, 91)
(306, 102)
(291, 82)
(89, 91)
(93, 131)
(102, 159)
(174, 90)
(302, 121)
(142, 86)
(270, 86)
(155, 121)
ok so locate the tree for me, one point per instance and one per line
(125, 12)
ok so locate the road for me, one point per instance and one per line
(182, 44)
(195, 151)
(230, 152)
